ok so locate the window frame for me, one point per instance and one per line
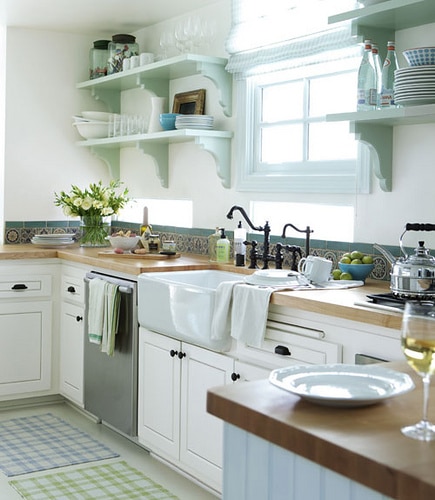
(332, 177)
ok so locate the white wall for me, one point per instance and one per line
(41, 156)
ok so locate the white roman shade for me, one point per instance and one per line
(284, 34)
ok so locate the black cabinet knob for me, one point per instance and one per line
(79, 318)
(173, 353)
(71, 289)
(181, 355)
(235, 376)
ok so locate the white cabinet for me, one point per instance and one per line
(173, 422)
(25, 330)
(72, 334)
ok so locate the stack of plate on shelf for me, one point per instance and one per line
(53, 240)
(415, 85)
(202, 122)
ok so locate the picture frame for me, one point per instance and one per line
(189, 103)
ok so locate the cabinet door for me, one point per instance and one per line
(201, 434)
(71, 352)
(25, 353)
(159, 393)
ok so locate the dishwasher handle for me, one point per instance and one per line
(122, 288)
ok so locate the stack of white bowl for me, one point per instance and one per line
(92, 124)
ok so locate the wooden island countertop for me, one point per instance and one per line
(338, 303)
(364, 444)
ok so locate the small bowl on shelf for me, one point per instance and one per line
(359, 272)
(124, 242)
(92, 130)
(167, 120)
(420, 56)
(100, 116)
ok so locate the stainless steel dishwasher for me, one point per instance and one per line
(110, 382)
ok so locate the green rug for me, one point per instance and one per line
(116, 481)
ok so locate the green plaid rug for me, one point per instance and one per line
(116, 481)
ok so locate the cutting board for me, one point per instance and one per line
(128, 255)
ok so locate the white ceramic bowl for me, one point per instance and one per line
(97, 115)
(420, 56)
(92, 130)
(124, 242)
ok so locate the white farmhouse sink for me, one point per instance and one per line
(180, 304)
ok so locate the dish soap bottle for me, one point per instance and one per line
(212, 241)
(223, 248)
(239, 246)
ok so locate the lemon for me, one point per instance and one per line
(356, 261)
(345, 260)
(367, 259)
(356, 255)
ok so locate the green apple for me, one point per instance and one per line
(346, 276)
(336, 273)
(367, 259)
(356, 255)
(356, 261)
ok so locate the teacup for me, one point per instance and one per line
(316, 269)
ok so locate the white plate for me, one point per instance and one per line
(342, 385)
(58, 244)
(54, 236)
(275, 277)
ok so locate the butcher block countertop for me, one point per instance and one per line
(363, 444)
(339, 303)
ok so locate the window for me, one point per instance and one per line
(177, 213)
(284, 92)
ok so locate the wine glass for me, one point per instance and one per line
(418, 344)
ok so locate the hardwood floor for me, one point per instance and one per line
(133, 454)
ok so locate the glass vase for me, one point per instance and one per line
(94, 230)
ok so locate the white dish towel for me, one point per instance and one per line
(249, 313)
(241, 310)
(97, 293)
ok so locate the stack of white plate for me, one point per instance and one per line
(415, 85)
(202, 122)
(53, 240)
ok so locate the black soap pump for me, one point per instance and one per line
(239, 245)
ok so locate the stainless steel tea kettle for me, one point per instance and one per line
(412, 276)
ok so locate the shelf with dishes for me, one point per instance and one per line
(379, 21)
(216, 142)
(155, 77)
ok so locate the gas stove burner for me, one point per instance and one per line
(392, 300)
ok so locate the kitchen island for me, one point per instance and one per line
(363, 445)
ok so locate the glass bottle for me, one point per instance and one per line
(121, 47)
(386, 99)
(366, 80)
(98, 57)
(239, 246)
(377, 62)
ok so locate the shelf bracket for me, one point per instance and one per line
(157, 86)
(110, 97)
(111, 157)
(220, 149)
(379, 138)
(222, 80)
(159, 152)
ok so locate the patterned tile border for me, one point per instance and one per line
(195, 240)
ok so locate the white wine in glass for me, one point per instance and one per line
(418, 344)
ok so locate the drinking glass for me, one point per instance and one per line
(418, 344)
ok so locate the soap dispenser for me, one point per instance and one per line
(239, 245)
(223, 248)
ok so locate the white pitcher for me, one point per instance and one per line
(157, 108)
